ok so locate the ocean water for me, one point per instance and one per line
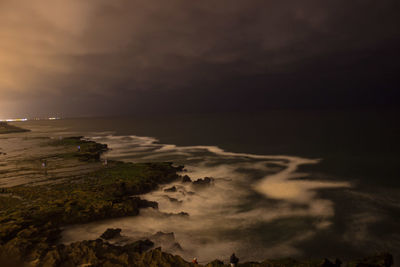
(286, 183)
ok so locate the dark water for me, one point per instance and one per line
(360, 148)
(353, 144)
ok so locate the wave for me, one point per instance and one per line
(259, 205)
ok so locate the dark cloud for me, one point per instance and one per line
(111, 57)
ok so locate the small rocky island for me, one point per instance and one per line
(31, 216)
(6, 128)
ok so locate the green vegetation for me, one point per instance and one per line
(6, 128)
(82, 149)
(30, 216)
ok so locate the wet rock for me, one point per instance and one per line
(176, 247)
(171, 189)
(186, 179)
(180, 168)
(139, 246)
(181, 214)
(161, 237)
(215, 263)
(204, 182)
(98, 253)
(111, 233)
(143, 203)
(173, 200)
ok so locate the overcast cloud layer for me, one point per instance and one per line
(73, 57)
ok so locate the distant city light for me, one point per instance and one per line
(9, 120)
(26, 119)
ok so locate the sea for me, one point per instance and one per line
(285, 183)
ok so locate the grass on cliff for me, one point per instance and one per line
(101, 194)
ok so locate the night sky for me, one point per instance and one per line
(88, 58)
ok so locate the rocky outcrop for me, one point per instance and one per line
(215, 263)
(207, 181)
(99, 253)
(111, 233)
(173, 200)
(162, 237)
(186, 179)
(171, 189)
(85, 150)
(378, 260)
(143, 203)
(167, 241)
(95, 253)
(30, 222)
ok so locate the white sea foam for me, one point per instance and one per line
(250, 197)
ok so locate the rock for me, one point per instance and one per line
(173, 200)
(162, 237)
(156, 257)
(182, 213)
(111, 233)
(204, 182)
(378, 260)
(143, 203)
(186, 179)
(176, 246)
(215, 263)
(328, 263)
(180, 168)
(139, 246)
(52, 258)
(171, 189)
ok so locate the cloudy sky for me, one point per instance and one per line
(100, 57)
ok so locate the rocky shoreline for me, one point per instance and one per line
(31, 216)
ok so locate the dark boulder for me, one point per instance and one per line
(186, 179)
(203, 182)
(147, 204)
(111, 233)
(182, 214)
(171, 189)
(173, 200)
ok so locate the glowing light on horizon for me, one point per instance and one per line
(10, 120)
(26, 119)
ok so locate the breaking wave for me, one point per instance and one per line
(259, 206)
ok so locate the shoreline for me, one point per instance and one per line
(31, 216)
